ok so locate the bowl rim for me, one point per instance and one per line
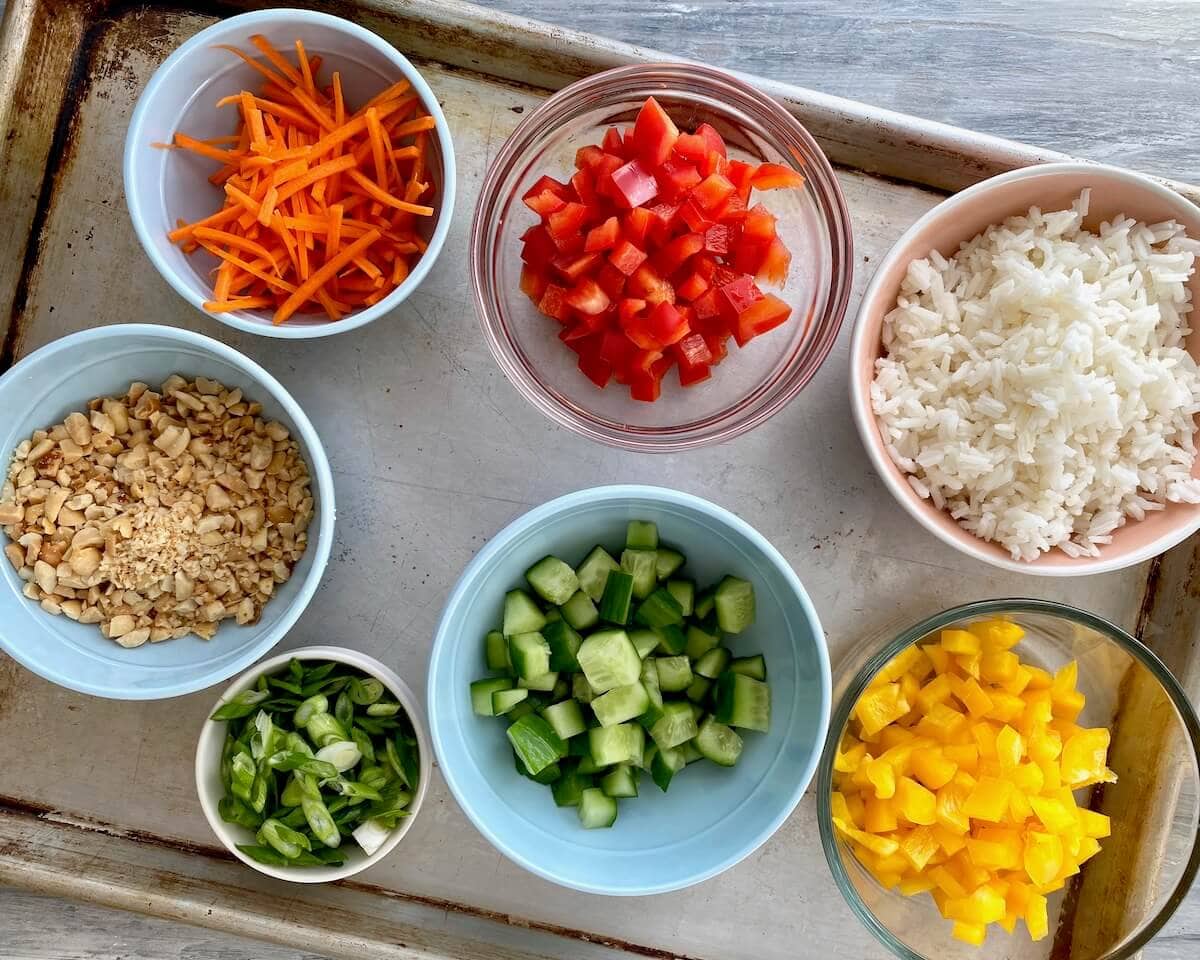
(901, 640)
(319, 471)
(241, 320)
(208, 745)
(864, 417)
(829, 200)
(445, 636)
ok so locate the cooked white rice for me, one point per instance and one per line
(1035, 384)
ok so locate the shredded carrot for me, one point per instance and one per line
(320, 200)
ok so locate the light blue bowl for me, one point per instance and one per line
(62, 376)
(712, 817)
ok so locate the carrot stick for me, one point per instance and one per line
(271, 76)
(278, 60)
(218, 219)
(420, 125)
(280, 110)
(254, 120)
(255, 269)
(378, 150)
(184, 142)
(323, 275)
(232, 240)
(313, 109)
(244, 303)
(319, 172)
(333, 236)
(339, 105)
(382, 196)
(306, 72)
(331, 309)
(391, 93)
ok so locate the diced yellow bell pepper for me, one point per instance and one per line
(1028, 779)
(1019, 809)
(961, 641)
(846, 760)
(941, 659)
(1054, 816)
(947, 882)
(1088, 848)
(1006, 708)
(972, 696)
(854, 806)
(968, 663)
(893, 736)
(965, 756)
(993, 856)
(1017, 683)
(949, 840)
(984, 905)
(1010, 749)
(932, 768)
(996, 666)
(1069, 705)
(879, 816)
(937, 690)
(1092, 823)
(984, 735)
(1039, 679)
(1043, 856)
(1037, 920)
(1009, 921)
(1066, 678)
(1051, 774)
(882, 777)
(877, 708)
(988, 800)
(997, 634)
(911, 886)
(910, 659)
(1083, 757)
(1038, 711)
(915, 803)
(1044, 744)
(973, 933)
(949, 810)
(883, 846)
(838, 806)
(918, 846)
(942, 722)
(969, 875)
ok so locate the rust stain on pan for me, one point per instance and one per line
(1149, 597)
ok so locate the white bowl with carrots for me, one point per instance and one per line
(290, 173)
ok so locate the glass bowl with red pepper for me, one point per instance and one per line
(661, 257)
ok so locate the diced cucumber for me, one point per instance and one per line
(551, 614)
(543, 682)
(650, 682)
(743, 702)
(481, 694)
(617, 597)
(621, 704)
(667, 562)
(700, 641)
(562, 689)
(623, 743)
(536, 743)
(552, 580)
(495, 651)
(609, 659)
(588, 766)
(621, 781)
(641, 565)
(596, 809)
(505, 700)
(566, 718)
(641, 535)
(568, 789)
(698, 689)
(689, 751)
(521, 709)
(521, 614)
(684, 592)
(676, 725)
(713, 663)
(754, 667)
(581, 690)
(648, 756)
(564, 643)
(667, 762)
(718, 743)
(672, 640)
(530, 655)
(705, 600)
(674, 673)
(580, 612)
(547, 776)
(659, 610)
(697, 711)
(594, 571)
(644, 642)
(734, 603)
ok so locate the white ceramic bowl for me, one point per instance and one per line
(212, 739)
(51, 382)
(1051, 186)
(162, 186)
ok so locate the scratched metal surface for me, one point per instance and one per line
(432, 450)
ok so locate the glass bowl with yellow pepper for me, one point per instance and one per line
(1011, 778)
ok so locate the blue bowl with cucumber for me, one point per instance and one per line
(628, 690)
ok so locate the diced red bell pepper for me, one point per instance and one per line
(692, 147)
(758, 224)
(602, 176)
(644, 361)
(587, 297)
(740, 175)
(626, 257)
(611, 280)
(533, 283)
(633, 323)
(712, 192)
(750, 256)
(617, 349)
(693, 218)
(629, 309)
(566, 223)
(717, 346)
(692, 287)
(636, 226)
(693, 350)
(732, 211)
(666, 324)
(554, 303)
(707, 306)
(714, 141)
(545, 183)
(705, 265)
(572, 267)
(584, 184)
(775, 176)
(654, 134)
(676, 177)
(646, 284)
(761, 316)
(634, 184)
(545, 203)
(573, 334)
(586, 157)
(676, 253)
(689, 375)
(662, 216)
(775, 263)
(645, 387)
(613, 142)
(596, 369)
(716, 239)
(539, 249)
(603, 237)
(736, 296)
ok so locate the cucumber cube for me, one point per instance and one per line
(644, 642)
(743, 702)
(564, 643)
(580, 612)
(689, 751)
(566, 718)
(674, 673)
(700, 641)
(530, 655)
(568, 789)
(520, 710)
(617, 598)
(495, 651)
(753, 667)
(734, 603)
(594, 571)
(658, 610)
(551, 614)
(543, 683)
(642, 566)
(672, 639)
(653, 691)
(705, 600)
(505, 700)
(535, 743)
(581, 690)
(718, 743)
(621, 704)
(667, 763)
(676, 726)
(609, 659)
(481, 694)
(521, 614)
(552, 580)
(684, 592)
(641, 535)
(698, 689)
(621, 781)
(667, 562)
(596, 809)
(713, 663)
(623, 743)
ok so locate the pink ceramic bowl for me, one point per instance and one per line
(1050, 186)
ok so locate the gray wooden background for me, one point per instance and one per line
(1111, 80)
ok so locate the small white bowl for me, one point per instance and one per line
(162, 186)
(212, 739)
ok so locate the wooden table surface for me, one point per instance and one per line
(1110, 80)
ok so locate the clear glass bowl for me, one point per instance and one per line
(747, 387)
(1155, 805)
